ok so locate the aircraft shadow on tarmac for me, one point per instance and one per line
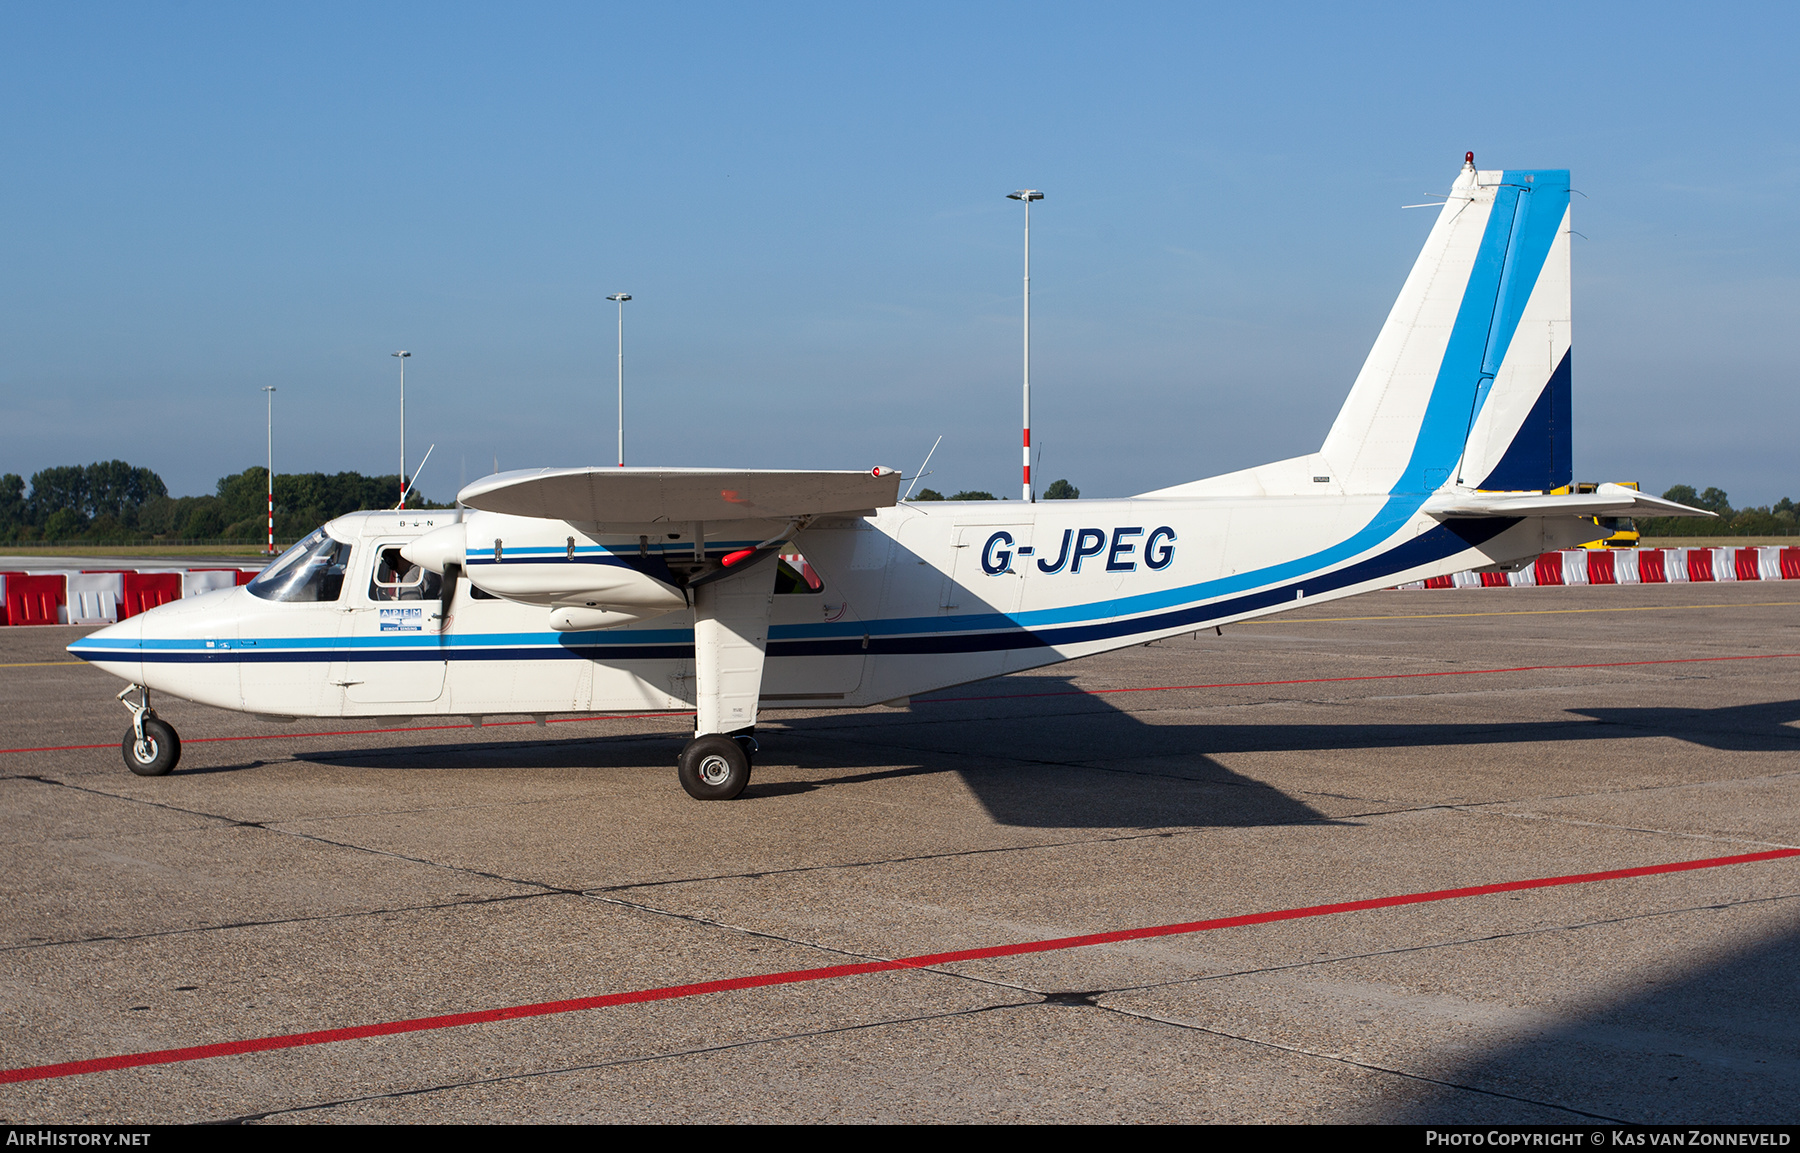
(1754, 728)
(1714, 1043)
(1061, 758)
(1032, 767)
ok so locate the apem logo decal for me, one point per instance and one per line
(403, 620)
(1080, 544)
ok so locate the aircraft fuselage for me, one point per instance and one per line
(915, 598)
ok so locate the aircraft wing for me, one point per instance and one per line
(1607, 500)
(641, 495)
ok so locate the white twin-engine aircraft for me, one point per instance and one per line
(595, 590)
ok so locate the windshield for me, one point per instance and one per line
(312, 570)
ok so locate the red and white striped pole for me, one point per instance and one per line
(270, 389)
(1027, 195)
(402, 354)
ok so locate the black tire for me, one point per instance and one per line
(713, 768)
(162, 746)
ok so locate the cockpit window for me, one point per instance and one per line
(398, 579)
(312, 570)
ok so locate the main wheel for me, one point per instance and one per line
(156, 754)
(713, 768)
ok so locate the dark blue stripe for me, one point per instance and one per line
(608, 559)
(363, 656)
(1444, 541)
(1541, 453)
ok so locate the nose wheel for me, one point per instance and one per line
(155, 753)
(715, 767)
(151, 746)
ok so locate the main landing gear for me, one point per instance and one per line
(716, 767)
(151, 746)
(731, 632)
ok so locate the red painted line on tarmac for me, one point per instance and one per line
(832, 972)
(369, 732)
(1337, 680)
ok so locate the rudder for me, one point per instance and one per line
(1468, 382)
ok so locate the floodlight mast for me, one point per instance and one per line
(1027, 195)
(621, 298)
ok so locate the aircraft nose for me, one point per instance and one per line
(126, 633)
(117, 648)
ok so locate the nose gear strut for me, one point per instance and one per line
(151, 748)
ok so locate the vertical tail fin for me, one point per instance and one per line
(1468, 382)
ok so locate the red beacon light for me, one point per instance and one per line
(1469, 159)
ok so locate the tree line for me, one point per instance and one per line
(1058, 490)
(1778, 519)
(112, 502)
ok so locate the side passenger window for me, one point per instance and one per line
(398, 579)
(795, 575)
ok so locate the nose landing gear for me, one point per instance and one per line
(151, 747)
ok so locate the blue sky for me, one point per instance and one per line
(808, 204)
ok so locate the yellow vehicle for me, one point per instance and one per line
(1623, 531)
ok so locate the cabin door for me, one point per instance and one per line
(392, 647)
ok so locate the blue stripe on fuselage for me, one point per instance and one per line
(677, 644)
(623, 556)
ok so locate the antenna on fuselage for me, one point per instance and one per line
(407, 491)
(926, 461)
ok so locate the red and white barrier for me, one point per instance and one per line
(102, 597)
(37, 598)
(93, 597)
(204, 580)
(145, 590)
(1630, 566)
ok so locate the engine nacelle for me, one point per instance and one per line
(438, 549)
(602, 582)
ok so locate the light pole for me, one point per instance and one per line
(1027, 195)
(270, 389)
(621, 298)
(403, 354)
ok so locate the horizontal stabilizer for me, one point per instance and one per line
(1606, 500)
(644, 495)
